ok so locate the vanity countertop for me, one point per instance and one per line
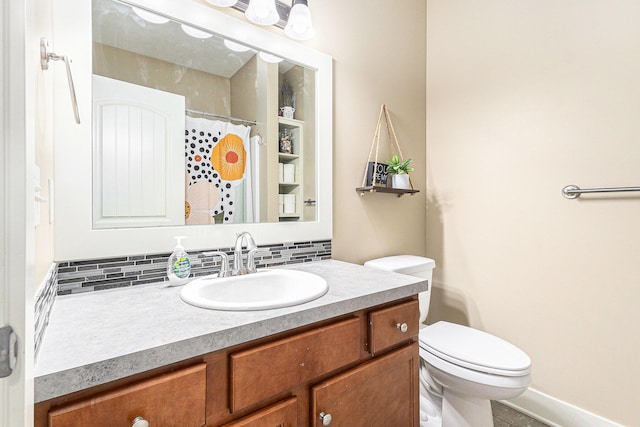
(106, 335)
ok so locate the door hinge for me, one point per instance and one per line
(8, 351)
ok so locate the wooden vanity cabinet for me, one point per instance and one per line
(360, 369)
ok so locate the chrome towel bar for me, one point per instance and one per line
(573, 191)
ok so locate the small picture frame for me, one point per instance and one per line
(376, 174)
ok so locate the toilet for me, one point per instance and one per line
(461, 369)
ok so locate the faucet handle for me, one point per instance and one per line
(251, 261)
(224, 268)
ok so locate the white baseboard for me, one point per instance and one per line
(555, 412)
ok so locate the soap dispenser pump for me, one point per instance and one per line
(179, 265)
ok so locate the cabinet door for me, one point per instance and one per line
(381, 393)
(282, 414)
(176, 399)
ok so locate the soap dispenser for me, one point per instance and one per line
(179, 265)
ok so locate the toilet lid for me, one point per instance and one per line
(474, 349)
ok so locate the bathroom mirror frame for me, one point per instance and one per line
(74, 236)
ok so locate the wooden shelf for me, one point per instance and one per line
(287, 156)
(372, 189)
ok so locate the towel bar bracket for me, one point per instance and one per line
(570, 192)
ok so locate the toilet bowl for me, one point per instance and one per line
(461, 369)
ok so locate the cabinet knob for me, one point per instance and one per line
(325, 418)
(140, 422)
(403, 327)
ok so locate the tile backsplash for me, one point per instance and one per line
(93, 275)
(43, 302)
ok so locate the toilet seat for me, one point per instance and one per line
(458, 375)
(473, 349)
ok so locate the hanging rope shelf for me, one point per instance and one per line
(375, 173)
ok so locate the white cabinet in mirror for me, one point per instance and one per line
(186, 106)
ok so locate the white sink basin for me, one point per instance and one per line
(257, 291)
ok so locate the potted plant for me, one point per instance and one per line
(288, 99)
(400, 170)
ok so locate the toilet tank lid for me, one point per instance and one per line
(405, 264)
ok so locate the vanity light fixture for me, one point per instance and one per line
(262, 12)
(295, 20)
(299, 26)
(223, 3)
(150, 16)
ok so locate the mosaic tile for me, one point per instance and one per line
(107, 273)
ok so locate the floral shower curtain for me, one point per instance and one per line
(218, 172)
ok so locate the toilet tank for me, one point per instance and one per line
(411, 265)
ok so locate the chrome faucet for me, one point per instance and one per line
(250, 267)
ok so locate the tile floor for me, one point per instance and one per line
(504, 416)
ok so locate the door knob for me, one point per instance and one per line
(140, 422)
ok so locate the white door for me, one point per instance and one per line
(138, 155)
(16, 207)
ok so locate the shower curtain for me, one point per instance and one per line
(218, 181)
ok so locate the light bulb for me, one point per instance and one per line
(267, 57)
(262, 12)
(222, 3)
(150, 16)
(237, 47)
(194, 32)
(299, 25)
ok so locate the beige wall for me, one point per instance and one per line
(202, 91)
(243, 102)
(378, 50)
(524, 98)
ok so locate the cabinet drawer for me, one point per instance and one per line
(277, 366)
(282, 414)
(175, 399)
(386, 326)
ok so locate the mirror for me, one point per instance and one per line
(183, 79)
(152, 73)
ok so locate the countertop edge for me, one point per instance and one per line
(52, 385)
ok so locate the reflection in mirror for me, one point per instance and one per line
(191, 129)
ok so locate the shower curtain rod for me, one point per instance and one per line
(220, 116)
